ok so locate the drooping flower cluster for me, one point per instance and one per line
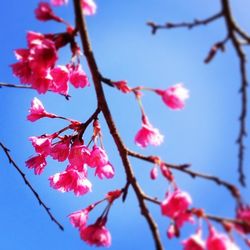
(70, 147)
(175, 206)
(36, 64)
(95, 234)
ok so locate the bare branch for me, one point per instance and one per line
(183, 168)
(10, 85)
(41, 203)
(231, 29)
(188, 25)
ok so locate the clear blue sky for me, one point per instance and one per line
(203, 134)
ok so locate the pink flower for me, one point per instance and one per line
(106, 171)
(44, 12)
(41, 144)
(21, 69)
(60, 150)
(89, 7)
(41, 81)
(175, 203)
(97, 235)
(194, 242)
(243, 214)
(37, 162)
(79, 218)
(78, 77)
(79, 154)
(148, 135)
(219, 241)
(38, 111)
(98, 157)
(58, 2)
(174, 97)
(71, 180)
(60, 75)
(43, 55)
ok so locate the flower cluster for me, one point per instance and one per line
(68, 147)
(36, 64)
(95, 234)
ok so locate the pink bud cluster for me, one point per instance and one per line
(71, 148)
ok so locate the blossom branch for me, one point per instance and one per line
(188, 25)
(41, 203)
(184, 168)
(102, 104)
(201, 214)
(11, 85)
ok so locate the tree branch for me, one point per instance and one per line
(188, 25)
(41, 203)
(232, 28)
(10, 85)
(183, 168)
(102, 104)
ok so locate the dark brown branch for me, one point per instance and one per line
(188, 25)
(102, 104)
(41, 203)
(232, 28)
(10, 85)
(183, 168)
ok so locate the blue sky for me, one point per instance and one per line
(203, 134)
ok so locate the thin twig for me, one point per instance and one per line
(41, 203)
(183, 168)
(188, 25)
(102, 103)
(11, 85)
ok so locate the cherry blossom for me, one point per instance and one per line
(194, 242)
(79, 218)
(89, 7)
(71, 180)
(78, 77)
(148, 135)
(106, 171)
(37, 162)
(175, 96)
(98, 157)
(96, 234)
(60, 150)
(37, 111)
(79, 154)
(41, 144)
(219, 241)
(60, 76)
